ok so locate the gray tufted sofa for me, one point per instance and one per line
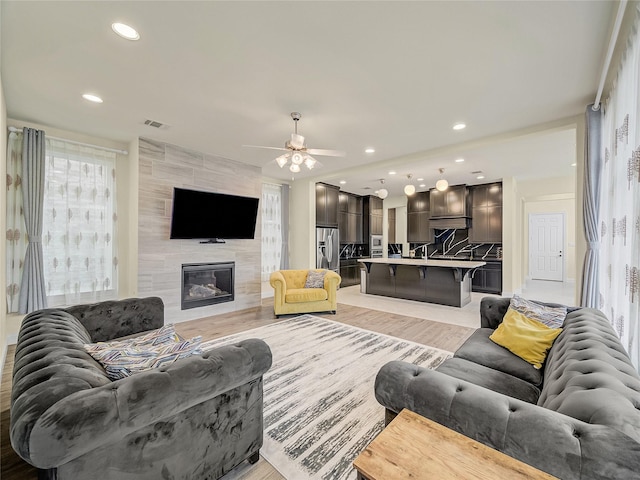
(194, 419)
(577, 418)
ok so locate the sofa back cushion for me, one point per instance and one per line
(588, 375)
(50, 364)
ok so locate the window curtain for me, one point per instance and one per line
(32, 295)
(284, 256)
(79, 238)
(271, 229)
(16, 235)
(619, 211)
(591, 200)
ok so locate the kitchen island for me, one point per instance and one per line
(445, 282)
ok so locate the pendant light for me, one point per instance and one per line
(442, 184)
(409, 189)
(383, 192)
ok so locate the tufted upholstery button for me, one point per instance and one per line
(416, 373)
(459, 388)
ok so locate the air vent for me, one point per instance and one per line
(156, 124)
(476, 172)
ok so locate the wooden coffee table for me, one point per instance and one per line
(415, 447)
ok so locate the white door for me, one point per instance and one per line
(546, 238)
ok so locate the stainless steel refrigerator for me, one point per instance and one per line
(328, 249)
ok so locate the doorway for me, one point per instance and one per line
(546, 241)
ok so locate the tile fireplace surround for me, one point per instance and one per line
(161, 167)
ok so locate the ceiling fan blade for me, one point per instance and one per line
(326, 153)
(297, 141)
(270, 148)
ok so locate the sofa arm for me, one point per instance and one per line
(548, 440)
(118, 318)
(87, 419)
(331, 282)
(279, 285)
(492, 309)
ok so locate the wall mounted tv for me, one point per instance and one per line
(213, 217)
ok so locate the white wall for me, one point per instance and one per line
(302, 224)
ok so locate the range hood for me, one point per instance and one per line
(447, 223)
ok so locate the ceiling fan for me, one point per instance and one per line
(297, 152)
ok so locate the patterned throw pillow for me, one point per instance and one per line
(123, 358)
(161, 336)
(315, 279)
(552, 317)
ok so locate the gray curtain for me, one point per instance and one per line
(32, 292)
(284, 257)
(591, 202)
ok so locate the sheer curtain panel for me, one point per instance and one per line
(619, 212)
(80, 219)
(271, 229)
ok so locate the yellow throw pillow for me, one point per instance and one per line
(525, 337)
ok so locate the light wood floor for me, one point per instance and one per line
(433, 333)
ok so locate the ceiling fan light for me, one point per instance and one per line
(409, 189)
(295, 168)
(309, 161)
(383, 193)
(282, 160)
(442, 185)
(297, 158)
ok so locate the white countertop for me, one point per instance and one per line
(420, 262)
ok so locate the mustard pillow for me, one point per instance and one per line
(525, 337)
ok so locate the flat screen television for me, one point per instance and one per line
(213, 217)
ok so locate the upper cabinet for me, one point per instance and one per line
(453, 202)
(418, 214)
(486, 213)
(327, 205)
(350, 218)
(372, 216)
(391, 228)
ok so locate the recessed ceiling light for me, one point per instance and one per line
(422, 185)
(573, 164)
(419, 179)
(92, 98)
(125, 31)
(480, 177)
(392, 172)
(370, 150)
(459, 126)
(342, 182)
(459, 160)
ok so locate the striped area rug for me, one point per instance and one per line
(319, 406)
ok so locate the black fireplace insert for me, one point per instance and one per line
(207, 284)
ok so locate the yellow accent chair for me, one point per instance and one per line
(290, 295)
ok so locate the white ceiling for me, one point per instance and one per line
(390, 75)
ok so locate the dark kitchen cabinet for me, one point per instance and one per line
(418, 214)
(350, 218)
(327, 201)
(488, 278)
(372, 216)
(391, 230)
(350, 272)
(453, 202)
(486, 213)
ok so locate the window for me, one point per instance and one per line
(79, 224)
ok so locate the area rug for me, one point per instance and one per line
(319, 406)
